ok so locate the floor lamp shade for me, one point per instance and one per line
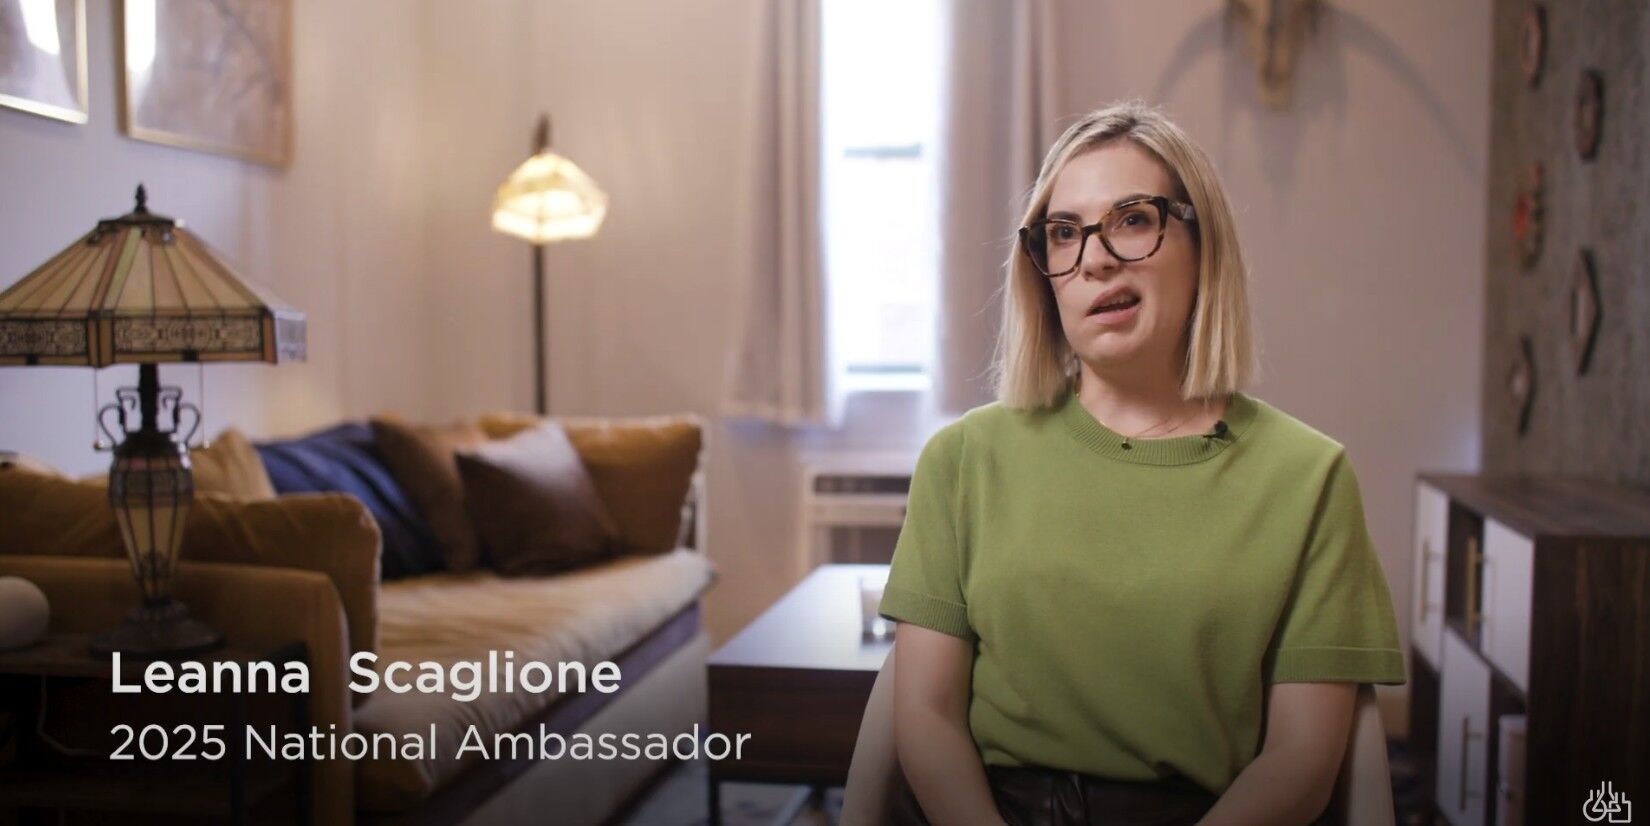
(548, 199)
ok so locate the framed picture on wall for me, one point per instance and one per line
(216, 77)
(43, 57)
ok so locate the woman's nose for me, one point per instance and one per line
(1097, 258)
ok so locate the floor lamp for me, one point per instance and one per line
(545, 200)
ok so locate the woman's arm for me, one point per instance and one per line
(1291, 780)
(936, 752)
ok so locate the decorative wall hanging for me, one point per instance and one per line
(1521, 382)
(1527, 218)
(1585, 310)
(1532, 44)
(210, 76)
(43, 57)
(1273, 32)
(1589, 115)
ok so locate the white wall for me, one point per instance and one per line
(1361, 210)
(336, 234)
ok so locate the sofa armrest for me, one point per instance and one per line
(329, 533)
(332, 533)
(246, 602)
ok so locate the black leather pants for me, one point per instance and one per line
(1033, 796)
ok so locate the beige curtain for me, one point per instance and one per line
(999, 119)
(782, 369)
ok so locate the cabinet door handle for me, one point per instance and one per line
(1475, 614)
(1427, 555)
(1486, 629)
(1467, 736)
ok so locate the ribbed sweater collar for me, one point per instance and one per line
(1174, 450)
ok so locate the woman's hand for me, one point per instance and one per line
(932, 674)
(1291, 780)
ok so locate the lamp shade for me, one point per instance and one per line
(548, 198)
(142, 289)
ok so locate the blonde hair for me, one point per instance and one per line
(1034, 366)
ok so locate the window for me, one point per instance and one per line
(880, 104)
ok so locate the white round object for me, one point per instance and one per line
(23, 612)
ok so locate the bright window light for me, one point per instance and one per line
(880, 102)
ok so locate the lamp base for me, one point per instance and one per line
(157, 631)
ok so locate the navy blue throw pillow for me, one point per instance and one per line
(345, 459)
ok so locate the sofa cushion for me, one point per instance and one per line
(642, 467)
(230, 466)
(534, 505)
(421, 457)
(329, 533)
(588, 615)
(345, 458)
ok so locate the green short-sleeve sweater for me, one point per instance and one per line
(1128, 605)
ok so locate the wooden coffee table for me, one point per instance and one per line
(796, 680)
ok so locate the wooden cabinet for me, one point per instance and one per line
(1531, 598)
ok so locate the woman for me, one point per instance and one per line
(1127, 591)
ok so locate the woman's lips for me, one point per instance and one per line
(1115, 317)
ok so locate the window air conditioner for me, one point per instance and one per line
(852, 507)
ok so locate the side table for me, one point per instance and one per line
(797, 680)
(39, 686)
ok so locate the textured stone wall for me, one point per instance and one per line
(1596, 424)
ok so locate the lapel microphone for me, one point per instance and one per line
(1218, 431)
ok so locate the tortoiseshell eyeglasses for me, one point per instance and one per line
(1131, 230)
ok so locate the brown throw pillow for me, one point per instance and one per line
(534, 504)
(420, 457)
(642, 467)
(230, 466)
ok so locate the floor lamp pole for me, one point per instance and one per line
(541, 144)
(539, 343)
